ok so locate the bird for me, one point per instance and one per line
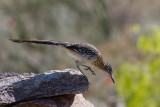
(83, 53)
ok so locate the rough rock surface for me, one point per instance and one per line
(69, 100)
(45, 88)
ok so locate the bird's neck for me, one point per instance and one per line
(99, 63)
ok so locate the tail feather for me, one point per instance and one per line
(47, 42)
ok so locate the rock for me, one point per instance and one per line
(69, 100)
(79, 101)
(32, 88)
(38, 103)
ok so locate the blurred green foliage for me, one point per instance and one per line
(139, 83)
(150, 40)
(135, 27)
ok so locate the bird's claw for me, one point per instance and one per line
(87, 68)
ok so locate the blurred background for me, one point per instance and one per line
(127, 32)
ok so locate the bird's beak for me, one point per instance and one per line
(112, 78)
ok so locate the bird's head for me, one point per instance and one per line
(108, 69)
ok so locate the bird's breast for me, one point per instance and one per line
(99, 63)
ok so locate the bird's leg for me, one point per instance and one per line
(88, 68)
(78, 63)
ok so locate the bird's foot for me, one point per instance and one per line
(88, 68)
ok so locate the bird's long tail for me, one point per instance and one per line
(47, 42)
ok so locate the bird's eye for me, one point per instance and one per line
(109, 67)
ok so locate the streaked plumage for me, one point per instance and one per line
(82, 52)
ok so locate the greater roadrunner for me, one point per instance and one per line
(82, 52)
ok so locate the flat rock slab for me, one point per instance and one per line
(29, 86)
(68, 100)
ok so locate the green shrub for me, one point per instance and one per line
(139, 84)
